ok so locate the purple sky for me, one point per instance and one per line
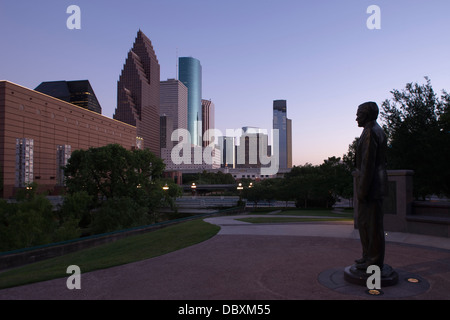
(318, 55)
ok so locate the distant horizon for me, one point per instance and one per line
(323, 59)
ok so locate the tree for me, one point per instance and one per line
(285, 190)
(268, 189)
(124, 186)
(310, 185)
(206, 177)
(113, 172)
(31, 221)
(416, 123)
(338, 177)
(255, 194)
(349, 159)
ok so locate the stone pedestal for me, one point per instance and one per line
(397, 204)
(389, 276)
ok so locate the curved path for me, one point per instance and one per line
(258, 262)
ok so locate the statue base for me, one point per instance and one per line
(389, 276)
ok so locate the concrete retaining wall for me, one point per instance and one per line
(403, 214)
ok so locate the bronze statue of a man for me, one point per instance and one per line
(371, 183)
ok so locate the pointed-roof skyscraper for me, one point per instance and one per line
(138, 92)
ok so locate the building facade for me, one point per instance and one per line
(78, 92)
(227, 150)
(166, 129)
(289, 143)
(138, 91)
(174, 105)
(190, 74)
(253, 146)
(284, 127)
(208, 110)
(191, 159)
(38, 133)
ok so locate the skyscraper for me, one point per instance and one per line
(253, 146)
(174, 104)
(227, 150)
(289, 142)
(138, 92)
(207, 121)
(166, 129)
(190, 73)
(284, 126)
(77, 92)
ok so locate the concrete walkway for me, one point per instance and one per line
(260, 262)
(230, 225)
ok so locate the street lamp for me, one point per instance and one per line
(166, 187)
(193, 188)
(240, 188)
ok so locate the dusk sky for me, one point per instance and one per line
(320, 56)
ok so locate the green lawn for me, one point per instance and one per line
(304, 212)
(122, 251)
(316, 213)
(286, 219)
(298, 215)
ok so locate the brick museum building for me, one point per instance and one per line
(38, 133)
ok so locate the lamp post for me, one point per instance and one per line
(166, 187)
(193, 188)
(240, 188)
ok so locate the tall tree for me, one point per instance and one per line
(125, 186)
(415, 121)
(338, 177)
(113, 172)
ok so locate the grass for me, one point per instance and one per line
(316, 213)
(286, 220)
(131, 249)
(299, 215)
(303, 212)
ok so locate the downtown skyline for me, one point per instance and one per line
(321, 58)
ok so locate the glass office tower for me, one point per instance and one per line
(190, 74)
(284, 126)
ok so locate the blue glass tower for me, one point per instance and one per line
(190, 74)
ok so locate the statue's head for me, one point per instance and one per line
(367, 112)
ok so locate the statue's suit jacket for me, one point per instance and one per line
(371, 175)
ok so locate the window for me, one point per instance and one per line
(63, 153)
(139, 143)
(24, 162)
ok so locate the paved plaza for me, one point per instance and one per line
(244, 261)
